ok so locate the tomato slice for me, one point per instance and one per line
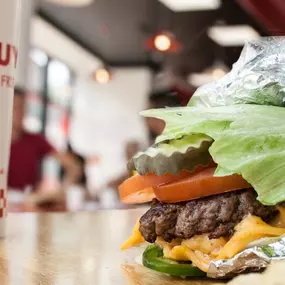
(139, 197)
(139, 189)
(198, 185)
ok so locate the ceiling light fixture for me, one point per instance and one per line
(75, 3)
(102, 75)
(162, 42)
(191, 5)
(232, 35)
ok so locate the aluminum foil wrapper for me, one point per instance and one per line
(251, 259)
(258, 77)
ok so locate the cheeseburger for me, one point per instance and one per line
(215, 176)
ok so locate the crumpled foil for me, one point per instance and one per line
(258, 77)
(251, 259)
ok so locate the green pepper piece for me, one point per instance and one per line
(153, 259)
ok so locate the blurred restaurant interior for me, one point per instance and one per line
(88, 68)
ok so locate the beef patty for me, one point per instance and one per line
(216, 215)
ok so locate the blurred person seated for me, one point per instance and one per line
(77, 193)
(27, 152)
(80, 179)
(160, 99)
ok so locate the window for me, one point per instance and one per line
(48, 107)
(33, 121)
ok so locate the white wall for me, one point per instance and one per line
(106, 117)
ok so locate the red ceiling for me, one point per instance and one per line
(270, 13)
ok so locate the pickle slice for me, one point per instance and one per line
(173, 156)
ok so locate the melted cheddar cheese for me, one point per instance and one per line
(201, 250)
(135, 239)
(250, 229)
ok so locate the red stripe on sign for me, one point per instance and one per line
(2, 193)
(1, 213)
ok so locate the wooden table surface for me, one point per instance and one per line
(74, 249)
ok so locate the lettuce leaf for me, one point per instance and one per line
(248, 140)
